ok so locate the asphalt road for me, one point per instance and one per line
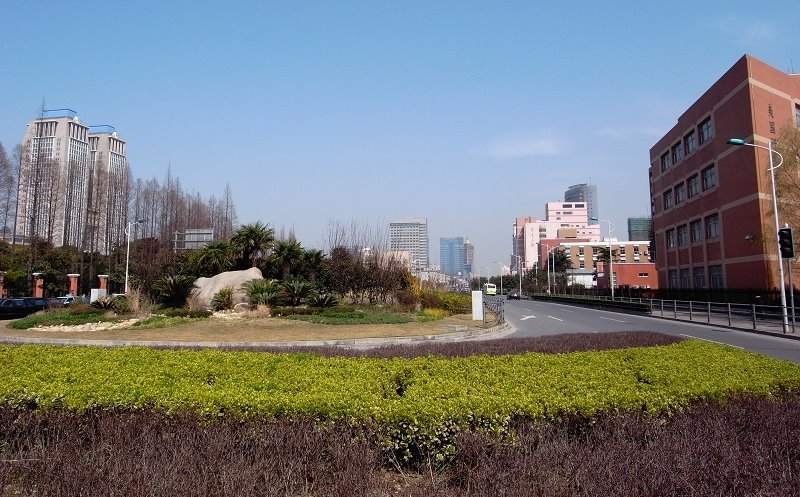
(535, 318)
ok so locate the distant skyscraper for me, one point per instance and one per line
(452, 256)
(639, 228)
(583, 193)
(72, 183)
(469, 256)
(411, 235)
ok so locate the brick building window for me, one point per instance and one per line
(693, 185)
(680, 193)
(677, 152)
(673, 278)
(670, 238)
(709, 176)
(690, 142)
(696, 230)
(712, 226)
(686, 278)
(667, 199)
(683, 235)
(715, 275)
(699, 277)
(664, 162)
(706, 131)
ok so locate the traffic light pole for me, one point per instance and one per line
(779, 262)
(784, 314)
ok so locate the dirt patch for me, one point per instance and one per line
(249, 329)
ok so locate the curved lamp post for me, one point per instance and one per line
(128, 250)
(772, 168)
(610, 254)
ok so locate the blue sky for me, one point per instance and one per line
(467, 113)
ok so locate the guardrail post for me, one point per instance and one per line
(709, 313)
(675, 309)
(729, 313)
(754, 315)
(690, 311)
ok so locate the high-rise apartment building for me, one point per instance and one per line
(411, 235)
(585, 193)
(565, 220)
(639, 228)
(711, 201)
(452, 257)
(72, 183)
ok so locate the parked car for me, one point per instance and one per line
(17, 308)
(513, 295)
(68, 299)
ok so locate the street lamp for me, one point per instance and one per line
(519, 273)
(772, 168)
(501, 276)
(128, 250)
(610, 254)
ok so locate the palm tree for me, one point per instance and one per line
(286, 255)
(295, 290)
(312, 263)
(262, 291)
(173, 291)
(214, 258)
(251, 241)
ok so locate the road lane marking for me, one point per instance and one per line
(612, 319)
(553, 317)
(527, 317)
(712, 341)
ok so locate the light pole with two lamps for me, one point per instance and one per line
(128, 250)
(610, 254)
(772, 168)
(519, 273)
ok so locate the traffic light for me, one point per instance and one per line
(785, 243)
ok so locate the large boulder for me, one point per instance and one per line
(206, 288)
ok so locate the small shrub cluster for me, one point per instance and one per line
(171, 312)
(746, 446)
(223, 299)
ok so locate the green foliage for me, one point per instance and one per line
(322, 300)
(262, 291)
(172, 291)
(61, 317)
(452, 302)
(104, 303)
(250, 242)
(420, 405)
(185, 313)
(162, 321)
(223, 299)
(352, 317)
(295, 289)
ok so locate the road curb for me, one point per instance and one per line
(482, 334)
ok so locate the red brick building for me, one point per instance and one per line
(712, 202)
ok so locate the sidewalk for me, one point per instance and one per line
(764, 325)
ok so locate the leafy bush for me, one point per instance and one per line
(185, 313)
(223, 299)
(104, 303)
(322, 300)
(406, 299)
(452, 302)
(172, 291)
(419, 406)
(262, 291)
(79, 309)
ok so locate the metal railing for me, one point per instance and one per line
(752, 316)
(494, 305)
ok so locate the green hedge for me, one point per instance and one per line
(420, 403)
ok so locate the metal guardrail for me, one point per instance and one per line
(494, 305)
(753, 316)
